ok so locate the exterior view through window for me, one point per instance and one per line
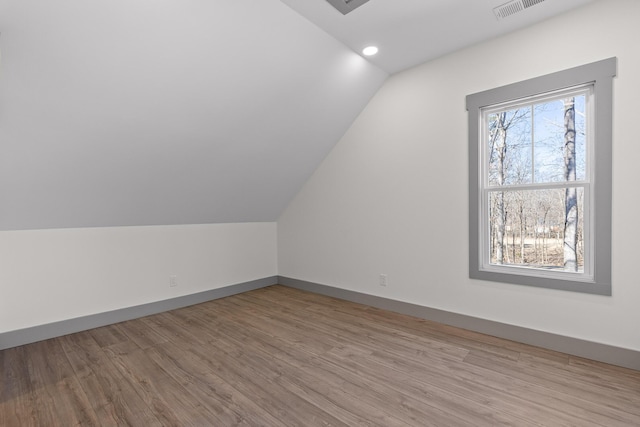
(537, 181)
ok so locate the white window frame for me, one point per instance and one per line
(597, 77)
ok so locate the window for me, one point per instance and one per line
(540, 180)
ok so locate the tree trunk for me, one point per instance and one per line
(571, 199)
(501, 147)
(523, 230)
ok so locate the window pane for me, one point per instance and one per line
(549, 139)
(527, 228)
(510, 146)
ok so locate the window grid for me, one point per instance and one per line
(488, 188)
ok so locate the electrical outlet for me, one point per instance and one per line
(173, 281)
(383, 280)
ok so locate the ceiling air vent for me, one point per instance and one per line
(514, 7)
(346, 6)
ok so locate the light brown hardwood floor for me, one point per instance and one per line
(283, 357)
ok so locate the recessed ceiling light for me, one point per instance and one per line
(369, 50)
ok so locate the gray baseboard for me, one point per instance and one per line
(65, 327)
(582, 348)
(577, 347)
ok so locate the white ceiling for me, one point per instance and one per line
(137, 112)
(141, 112)
(410, 32)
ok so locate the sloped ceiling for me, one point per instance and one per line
(410, 32)
(140, 112)
(143, 112)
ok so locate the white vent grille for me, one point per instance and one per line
(346, 6)
(529, 3)
(514, 7)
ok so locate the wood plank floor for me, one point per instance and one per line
(282, 357)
